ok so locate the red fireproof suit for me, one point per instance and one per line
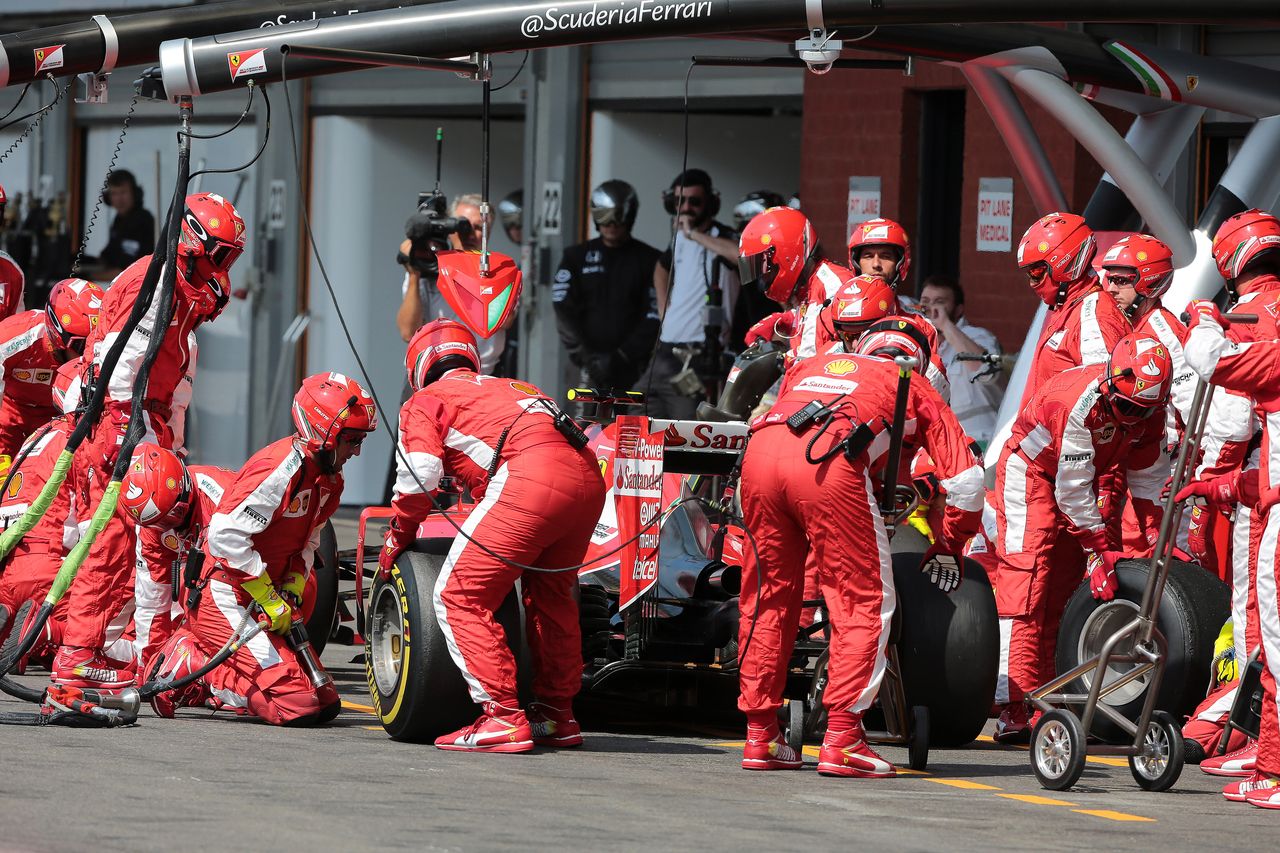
(539, 500)
(159, 550)
(31, 566)
(793, 506)
(267, 523)
(1045, 512)
(1254, 368)
(1083, 330)
(103, 586)
(26, 381)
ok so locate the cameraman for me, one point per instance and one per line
(422, 300)
(603, 293)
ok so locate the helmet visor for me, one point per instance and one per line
(223, 255)
(1132, 410)
(758, 268)
(605, 209)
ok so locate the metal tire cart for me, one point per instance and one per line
(1059, 742)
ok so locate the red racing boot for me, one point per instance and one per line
(847, 753)
(1241, 762)
(76, 666)
(553, 726)
(177, 658)
(765, 749)
(1015, 723)
(1259, 786)
(499, 729)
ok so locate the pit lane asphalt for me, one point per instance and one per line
(206, 782)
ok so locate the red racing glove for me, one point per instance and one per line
(943, 567)
(397, 540)
(1198, 534)
(778, 324)
(1203, 309)
(1100, 571)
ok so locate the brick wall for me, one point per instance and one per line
(866, 123)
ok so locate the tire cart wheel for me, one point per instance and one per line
(417, 690)
(795, 725)
(1160, 764)
(1058, 750)
(918, 740)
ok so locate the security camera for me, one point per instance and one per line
(819, 51)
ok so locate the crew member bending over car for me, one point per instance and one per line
(540, 495)
(211, 239)
(806, 483)
(1043, 517)
(260, 548)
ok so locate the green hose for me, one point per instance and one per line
(13, 535)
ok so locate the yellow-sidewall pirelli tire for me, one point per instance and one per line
(418, 692)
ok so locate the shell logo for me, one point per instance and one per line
(15, 485)
(526, 388)
(170, 483)
(213, 222)
(766, 239)
(170, 540)
(840, 367)
(1043, 247)
(1142, 256)
(66, 319)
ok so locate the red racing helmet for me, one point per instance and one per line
(1138, 379)
(1241, 240)
(882, 232)
(861, 301)
(156, 490)
(327, 404)
(895, 336)
(1144, 262)
(433, 349)
(12, 282)
(72, 312)
(775, 250)
(1055, 253)
(212, 239)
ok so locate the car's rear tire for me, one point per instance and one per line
(1194, 607)
(325, 610)
(418, 692)
(949, 649)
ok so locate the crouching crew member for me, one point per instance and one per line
(540, 495)
(170, 506)
(1043, 516)
(261, 543)
(806, 483)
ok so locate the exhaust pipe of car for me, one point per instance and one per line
(719, 580)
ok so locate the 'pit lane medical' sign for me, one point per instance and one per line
(995, 214)
(864, 201)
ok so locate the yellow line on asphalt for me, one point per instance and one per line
(372, 728)
(1108, 760)
(1110, 815)
(1035, 800)
(354, 706)
(965, 784)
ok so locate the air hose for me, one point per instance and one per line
(55, 694)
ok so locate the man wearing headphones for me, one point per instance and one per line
(696, 282)
(133, 230)
(603, 294)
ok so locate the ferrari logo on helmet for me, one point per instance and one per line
(841, 367)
